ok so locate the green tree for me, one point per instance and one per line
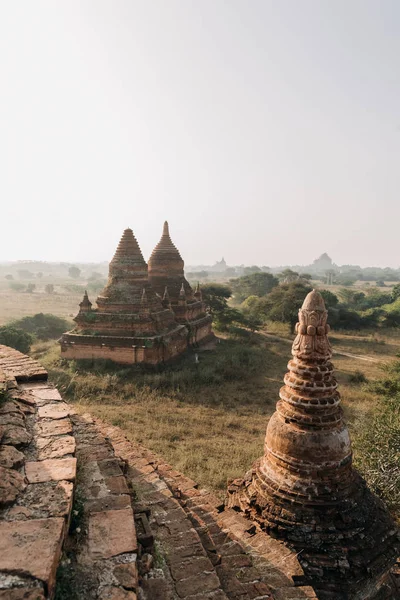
(331, 300)
(284, 301)
(15, 338)
(43, 326)
(16, 286)
(30, 288)
(216, 296)
(288, 276)
(252, 269)
(256, 284)
(74, 272)
(49, 288)
(396, 292)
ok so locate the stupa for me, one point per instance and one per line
(130, 325)
(305, 491)
(167, 278)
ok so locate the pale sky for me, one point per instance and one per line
(265, 131)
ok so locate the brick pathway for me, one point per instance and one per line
(202, 551)
(37, 470)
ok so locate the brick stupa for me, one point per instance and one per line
(131, 324)
(167, 278)
(304, 489)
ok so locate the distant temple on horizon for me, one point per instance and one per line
(145, 314)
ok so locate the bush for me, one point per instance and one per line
(16, 338)
(43, 326)
(358, 377)
(17, 287)
(377, 441)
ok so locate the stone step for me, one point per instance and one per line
(36, 486)
(201, 552)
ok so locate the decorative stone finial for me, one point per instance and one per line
(165, 229)
(312, 329)
(166, 302)
(197, 293)
(85, 305)
(304, 489)
(182, 295)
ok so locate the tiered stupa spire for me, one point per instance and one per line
(304, 489)
(85, 305)
(166, 267)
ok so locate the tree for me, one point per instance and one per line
(216, 297)
(25, 274)
(251, 270)
(16, 286)
(288, 276)
(74, 272)
(330, 299)
(15, 338)
(256, 284)
(49, 288)
(42, 326)
(396, 292)
(351, 297)
(9, 277)
(283, 302)
(30, 288)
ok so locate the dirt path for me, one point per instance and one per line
(337, 352)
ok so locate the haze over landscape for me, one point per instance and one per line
(265, 132)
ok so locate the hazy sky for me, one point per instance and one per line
(265, 131)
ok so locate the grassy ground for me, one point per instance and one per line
(209, 419)
(14, 305)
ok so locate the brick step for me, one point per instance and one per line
(37, 471)
(100, 556)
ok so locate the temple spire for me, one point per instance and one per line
(304, 490)
(85, 305)
(197, 293)
(166, 229)
(182, 295)
(166, 299)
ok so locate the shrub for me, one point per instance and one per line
(358, 377)
(43, 326)
(17, 287)
(16, 338)
(377, 441)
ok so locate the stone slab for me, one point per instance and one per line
(46, 393)
(55, 447)
(22, 594)
(111, 533)
(116, 593)
(10, 457)
(55, 427)
(52, 469)
(53, 411)
(12, 484)
(43, 500)
(32, 548)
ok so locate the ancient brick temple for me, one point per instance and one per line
(131, 324)
(167, 278)
(304, 489)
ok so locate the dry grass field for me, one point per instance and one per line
(14, 304)
(209, 420)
